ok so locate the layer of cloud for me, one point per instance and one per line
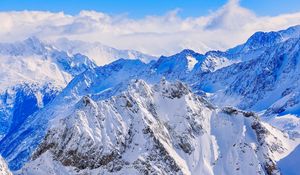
(228, 26)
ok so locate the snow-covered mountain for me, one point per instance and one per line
(32, 72)
(136, 133)
(97, 113)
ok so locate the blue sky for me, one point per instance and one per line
(141, 8)
(216, 24)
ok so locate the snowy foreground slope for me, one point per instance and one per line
(4, 168)
(158, 129)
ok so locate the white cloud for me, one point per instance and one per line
(228, 26)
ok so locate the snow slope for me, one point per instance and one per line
(3, 168)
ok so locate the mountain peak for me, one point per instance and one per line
(187, 52)
(29, 46)
(262, 39)
(36, 45)
(33, 40)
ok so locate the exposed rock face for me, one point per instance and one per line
(160, 129)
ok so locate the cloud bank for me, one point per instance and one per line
(221, 29)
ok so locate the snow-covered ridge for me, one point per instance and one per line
(262, 40)
(137, 133)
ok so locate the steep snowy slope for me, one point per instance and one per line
(99, 53)
(3, 168)
(160, 129)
